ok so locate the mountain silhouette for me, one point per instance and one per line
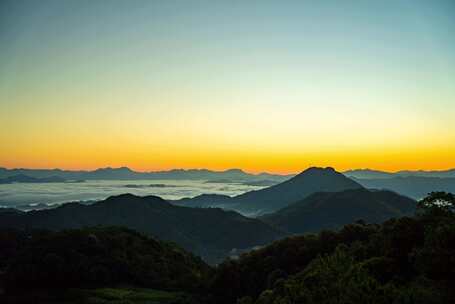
(416, 187)
(376, 174)
(206, 200)
(210, 233)
(368, 173)
(273, 198)
(94, 257)
(125, 173)
(22, 178)
(331, 210)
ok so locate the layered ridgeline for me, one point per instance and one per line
(369, 173)
(125, 173)
(210, 233)
(416, 187)
(331, 210)
(278, 196)
(21, 178)
(405, 260)
(415, 184)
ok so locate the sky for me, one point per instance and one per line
(260, 85)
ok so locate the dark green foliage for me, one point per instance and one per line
(96, 257)
(118, 295)
(338, 278)
(407, 260)
(437, 204)
(250, 275)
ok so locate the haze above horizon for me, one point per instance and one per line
(274, 86)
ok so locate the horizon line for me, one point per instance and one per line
(222, 170)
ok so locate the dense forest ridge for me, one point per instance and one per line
(195, 229)
(404, 260)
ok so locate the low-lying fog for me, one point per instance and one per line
(28, 196)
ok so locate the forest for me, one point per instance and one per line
(403, 260)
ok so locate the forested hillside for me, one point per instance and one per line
(404, 260)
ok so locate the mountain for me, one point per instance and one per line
(433, 173)
(21, 178)
(125, 173)
(273, 198)
(206, 200)
(261, 183)
(211, 233)
(367, 173)
(331, 210)
(413, 186)
(375, 174)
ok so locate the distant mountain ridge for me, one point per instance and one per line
(273, 198)
(331, 210)
(21, 178)
(374, 174)
(211, 233)
(416, 187)
(125, 173)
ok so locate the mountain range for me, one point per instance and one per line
(125, 173)
(21, 178)
(374, 174)
(415, 184)
(315, 199)
(416, 187)
(273, 198)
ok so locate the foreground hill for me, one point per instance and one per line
(331, 210)
(281, 195)
(416, 187)
(90, 258)
(211, 233)
(406, 260)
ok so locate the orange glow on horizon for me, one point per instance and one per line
(276, 164)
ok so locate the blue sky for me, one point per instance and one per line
(300, 80)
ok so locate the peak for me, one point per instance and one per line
(131, 198)
(126, 169)
(319, 170)
(234, 171)
(122, 169)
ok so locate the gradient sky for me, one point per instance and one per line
(260, 85)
